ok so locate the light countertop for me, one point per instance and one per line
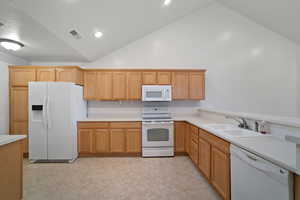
(6, 139)
(277, 151)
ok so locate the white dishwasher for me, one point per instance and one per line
(252, 177)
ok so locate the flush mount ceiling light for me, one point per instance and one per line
(167, 2)
(11, 44)
(98, 34)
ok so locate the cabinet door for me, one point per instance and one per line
(117, 140)
(204, 157)
(90, 85)
(45, 74)
(134, 85)
(66, 75)
(187, 139)
(102, 141)
(180, 131)
(220, 169)
(21, 77)
(197, 85)
(194, 152)
(180, 83)
(164, 78)
(149, 78)
(133, 140)
(19, 104)
(85, 140)
(119, 85)
(104, 83)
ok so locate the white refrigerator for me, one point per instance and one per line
(54, 109)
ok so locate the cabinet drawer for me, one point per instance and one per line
(215, 141)
(82, 125)
(194, 133)
(125, 125)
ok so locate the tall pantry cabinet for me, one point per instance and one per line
(19, 77)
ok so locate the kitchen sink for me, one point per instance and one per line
(241, 133)
(221, 126)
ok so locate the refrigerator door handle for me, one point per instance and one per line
(45, 112)
(48, 113)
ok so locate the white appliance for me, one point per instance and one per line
(157, 93)
(157, 132)
(255, 178)
(54, 108)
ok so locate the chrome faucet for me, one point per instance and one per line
(242, 122)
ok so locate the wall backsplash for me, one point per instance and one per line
(134, 108)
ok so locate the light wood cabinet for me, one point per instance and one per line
(194, 152)
(187, 140)
(180, 131)
(149, 78)
(220, 172)
(119, 86)
(86, 140)
(102, 141)
(21, 76)
(133, 140)
(204, 157)
(164, 78)
(45, 74)
(90, 85)
(196, 85)
(19, 104)
(117, 140)
(180, 85)
(104, 81)
(134, 85)
(11, 171)
(69, 74)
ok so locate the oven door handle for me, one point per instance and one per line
(154, 123)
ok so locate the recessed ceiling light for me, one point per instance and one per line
(167, 2)
(11, 44)
(98, 34)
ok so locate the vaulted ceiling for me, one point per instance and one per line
(44, 26)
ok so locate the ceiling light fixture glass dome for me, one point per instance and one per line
(11, 44)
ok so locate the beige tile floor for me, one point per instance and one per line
(117, 179)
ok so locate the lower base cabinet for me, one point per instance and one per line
(102, 140)
(117, 140)
(107, 137)
(204, 155)
(220, 172)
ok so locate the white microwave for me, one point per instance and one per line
(157, 93)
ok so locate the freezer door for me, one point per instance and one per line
(60, 141)
(37, 103)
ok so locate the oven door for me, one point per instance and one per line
(158, 134)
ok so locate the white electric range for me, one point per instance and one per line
(158, 132)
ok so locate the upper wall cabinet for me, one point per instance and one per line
(119, 86)
(180, 85)
(104, 85)
(134, 85)
(196, 85)
(69, 74)
(21, 76)
(164, 78)
(149, 78)
(90, 85)
(45, 74)
(112, 85)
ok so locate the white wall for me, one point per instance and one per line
(5, 61)
(250, 68)
(298, 80)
